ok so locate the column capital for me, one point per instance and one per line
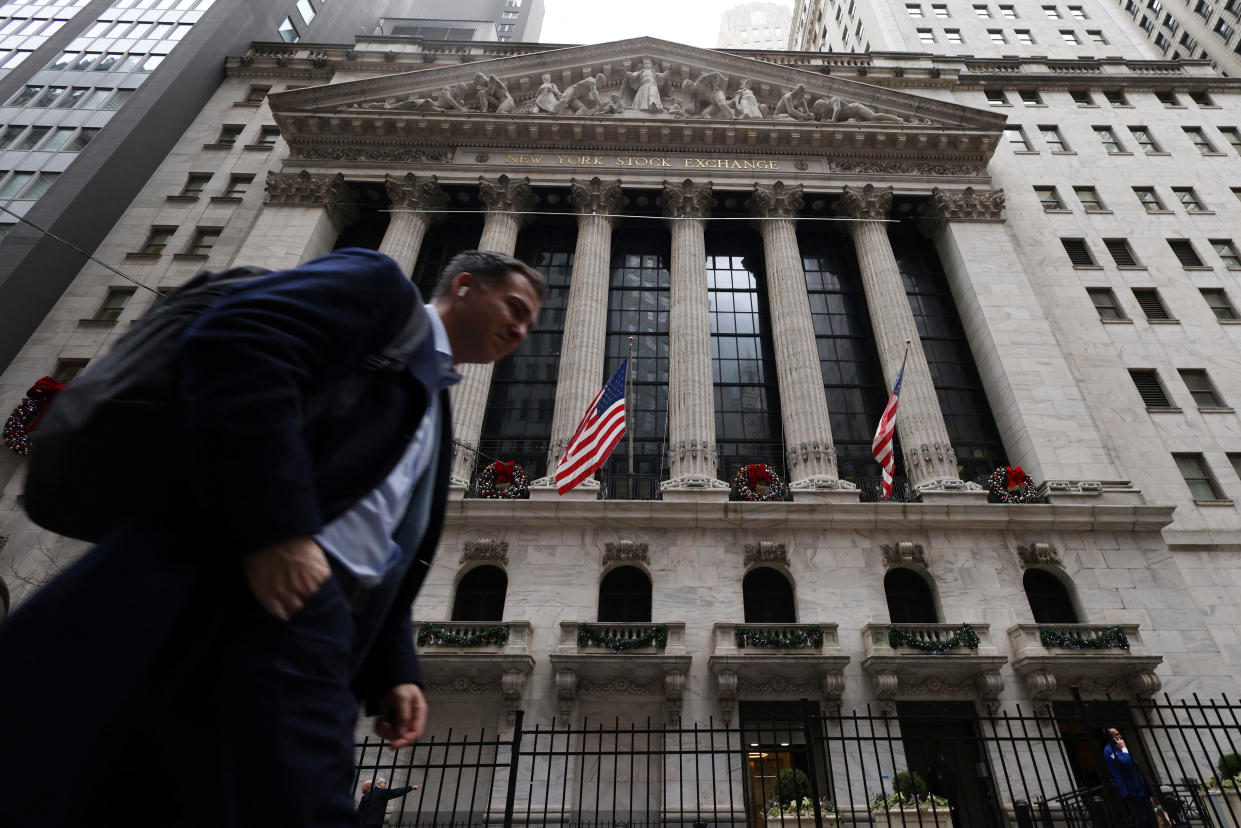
(869, 202)
(776, 200)
(966, 205)
(307, 190)
(505, 195)
(408, 192)
(595, 196)
(685, 199)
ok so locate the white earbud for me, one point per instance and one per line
(464, 290)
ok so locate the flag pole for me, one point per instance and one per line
(628, 421)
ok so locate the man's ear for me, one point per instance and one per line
(462, 283)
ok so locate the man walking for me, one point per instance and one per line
(212, 649)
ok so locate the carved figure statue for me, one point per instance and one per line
(793, 105)
(615, 106)
(707, 96)
(453, 97)
(582, 98)
(491, 95)
(837, 110)
(746, 104)
(648, 87)
(547, 96)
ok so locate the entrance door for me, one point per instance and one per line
(774, 738)
(942, 745)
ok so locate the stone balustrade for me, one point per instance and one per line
(592, 667)
(1088, 656)
(913, 671)
(455, 668)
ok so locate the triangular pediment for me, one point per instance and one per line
(642, 90)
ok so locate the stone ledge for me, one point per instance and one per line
(1042, 517)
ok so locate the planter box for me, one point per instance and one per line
(912, 818)
(791, 821)
(1221, 801)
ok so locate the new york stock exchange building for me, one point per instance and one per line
(729, 614)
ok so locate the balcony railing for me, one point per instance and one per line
(926, 638)
(1110, 657)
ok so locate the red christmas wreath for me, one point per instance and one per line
(758, 482)
(1012, 485)
(25, 417)
(503, 480)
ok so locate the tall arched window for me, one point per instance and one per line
(1049, 598)
(480, 595)
(909, 598)
(625, 595)
(768, 597)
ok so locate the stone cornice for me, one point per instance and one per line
(966, 205)
(1037, 519)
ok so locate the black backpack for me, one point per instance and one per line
(84, 475)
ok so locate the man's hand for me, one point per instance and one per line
(282, 576)
(402, 716)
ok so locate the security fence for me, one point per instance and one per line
(791, 765)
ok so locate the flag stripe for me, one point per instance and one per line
(881, 446)
(597, 434)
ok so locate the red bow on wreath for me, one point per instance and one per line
(42, 391)
(504, 471)
(757, 472)
(1016, 477)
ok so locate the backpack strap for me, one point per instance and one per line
(394, 357)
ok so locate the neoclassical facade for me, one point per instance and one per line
(769, 241)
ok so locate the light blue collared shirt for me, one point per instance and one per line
(361, 538)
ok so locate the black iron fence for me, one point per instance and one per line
(940, 764)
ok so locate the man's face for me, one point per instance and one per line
(488, 324)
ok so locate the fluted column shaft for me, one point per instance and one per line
(803, 402)
(503, 199)
(693, 462)
(410, 200)
(929, 457)
(583, 347)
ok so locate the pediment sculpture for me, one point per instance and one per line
(649, 91)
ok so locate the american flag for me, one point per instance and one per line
(597, 434)
(881, 446)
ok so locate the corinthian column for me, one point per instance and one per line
(692, 457)
(807, 431)
(409, 198)
(301, 220)
(930, 460)
(585, 322)
(504, 199)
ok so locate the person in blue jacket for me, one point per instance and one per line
(203, 664)
(1130, 783)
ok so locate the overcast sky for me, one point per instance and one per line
(695, 22)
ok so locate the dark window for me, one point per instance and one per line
(1030, 96)
(768, 597)
(1081, 97)
(967, 413)
(747, 398)
(1105, 303)
(1198, 477)
(625, 595)
(195, 183)
(238, 185)
(229, 133)
(1185, 252)
(268, 136)
(1150, 302)
(1150, 388)
(1201, 388)
(1149, 199)
(256, 94)
(1079, 252)
(1217, 301)
(1089, 197)
(67, 370)
(1049, 598)
(157, 240)
(480, 595)
(638, 305)
(1121, 252)
(518, 425)
(204, 239)
(910, 600)
(852, 378)
(113, 304)
(1115, 97)
(1049, 198)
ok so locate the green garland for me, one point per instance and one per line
(1111, 637)
(796, 638)
(965, 636)
(435, 634)
(589, 634)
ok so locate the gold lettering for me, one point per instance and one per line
(560, 158)
(509, 158)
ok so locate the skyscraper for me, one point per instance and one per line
(754, 26)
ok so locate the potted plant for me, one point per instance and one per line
(800, 812)
(1224, 791)
(910, 804)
